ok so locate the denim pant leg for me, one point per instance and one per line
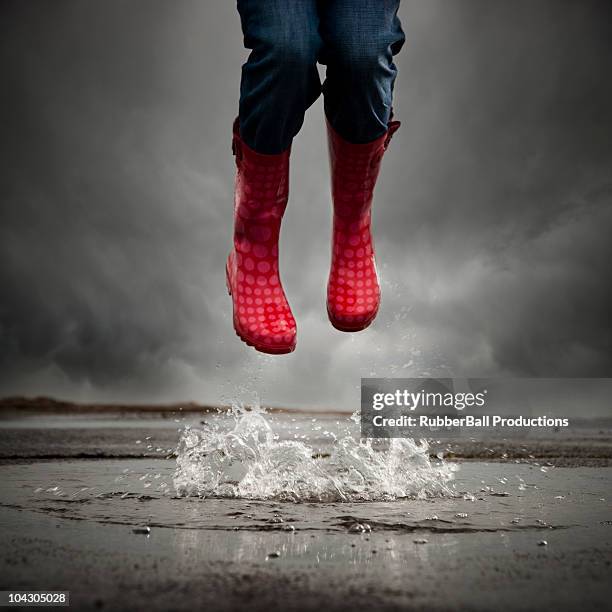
(280, 78)
(360, 38)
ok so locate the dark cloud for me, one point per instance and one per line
(492, 219)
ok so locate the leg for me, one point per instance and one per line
(360, 38)
(279, 82)
(280, 79)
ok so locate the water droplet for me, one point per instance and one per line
(146, 530)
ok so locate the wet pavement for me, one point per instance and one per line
(509, 536)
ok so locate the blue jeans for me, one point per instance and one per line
(355, 39)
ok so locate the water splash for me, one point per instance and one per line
(241, 457)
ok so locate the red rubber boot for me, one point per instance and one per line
(262, 317)
(353, 291)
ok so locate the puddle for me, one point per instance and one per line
(116, 492)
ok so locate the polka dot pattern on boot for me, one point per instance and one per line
(353, 290)
(262, 316)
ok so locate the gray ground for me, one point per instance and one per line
(73, 493)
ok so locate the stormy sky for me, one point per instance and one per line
(493, 212)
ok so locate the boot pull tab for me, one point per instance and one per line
(236, 148)
(393, 127)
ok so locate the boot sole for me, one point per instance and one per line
(281, 350)
(343, 327)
